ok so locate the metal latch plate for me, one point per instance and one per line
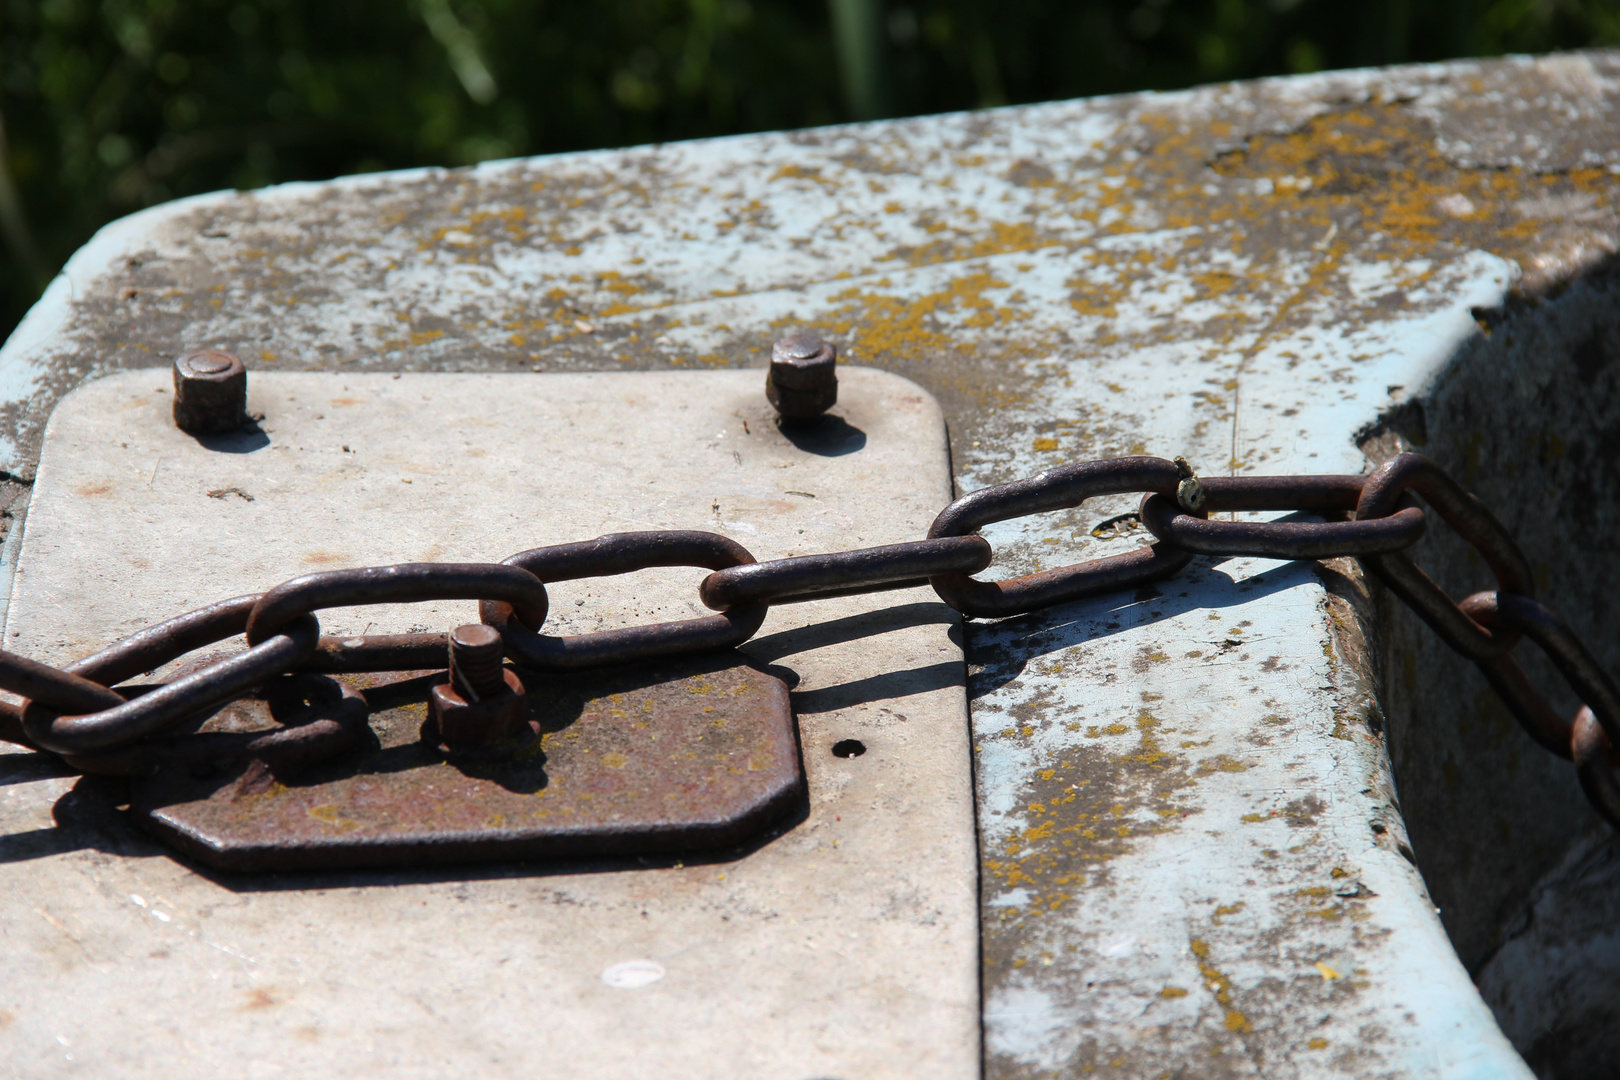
(661, 759)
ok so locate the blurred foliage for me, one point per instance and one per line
(110, 105)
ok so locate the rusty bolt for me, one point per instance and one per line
(483, 710)
(210, 393)
(803, 380)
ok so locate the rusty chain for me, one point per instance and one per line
(91, 716)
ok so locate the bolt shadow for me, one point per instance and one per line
(244, 440)
(824, 436)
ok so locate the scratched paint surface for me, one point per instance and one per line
(1246, 274)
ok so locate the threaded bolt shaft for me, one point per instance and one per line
(476, 658)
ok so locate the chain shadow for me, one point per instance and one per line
(27, 767)
(881, 687)
(999, 651)
(80, 819)
(86, 817)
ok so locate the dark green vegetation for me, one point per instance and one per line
(110, 105)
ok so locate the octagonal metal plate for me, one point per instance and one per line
(647, 760)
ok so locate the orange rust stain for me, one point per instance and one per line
(259, 998)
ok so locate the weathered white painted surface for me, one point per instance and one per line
(846, 947)
(1245, 274)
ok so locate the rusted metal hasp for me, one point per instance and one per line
(659, 759)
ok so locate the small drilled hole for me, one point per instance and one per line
(848, 748)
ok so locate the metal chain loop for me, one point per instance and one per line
(1281, 539)
(1057, 489)
(1477, 526)
(404, 583)
(1594, 764)
(328, 718)
(174, 701)
(623, 553)
(1526, 615)
(844, 573)
(162, 642)
(76, 712)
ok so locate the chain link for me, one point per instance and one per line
(1061, 488)
(87, 714)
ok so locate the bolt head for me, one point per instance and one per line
(476, 636)
(799, 347)
(207, 363)
(210, 392)
(803, 379)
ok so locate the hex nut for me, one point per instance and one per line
(210, 393)
(492, 727)
(803, 379)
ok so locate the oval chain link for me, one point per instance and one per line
(1061, 488)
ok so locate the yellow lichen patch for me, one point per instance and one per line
(1328, 973)
(974, 242)
(801, 172)
(911, 327)
(1236, 1021)
(331, 815)
(1172, 992)
(1317, 1044)
(1382, 160)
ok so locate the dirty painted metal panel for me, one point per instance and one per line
(842, 944)
(1247, 274)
